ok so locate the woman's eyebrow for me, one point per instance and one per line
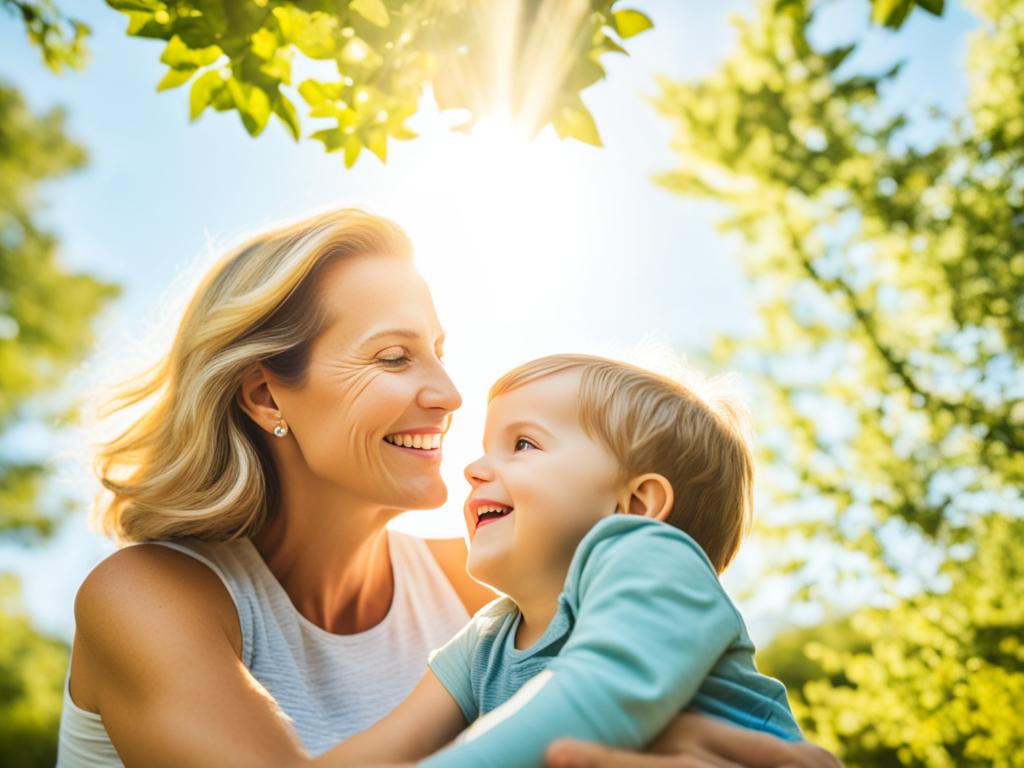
(403, 332)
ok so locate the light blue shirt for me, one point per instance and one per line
(643, 629)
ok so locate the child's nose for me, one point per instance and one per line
(477, 471)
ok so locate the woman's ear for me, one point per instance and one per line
(255, 398)
(649, 495)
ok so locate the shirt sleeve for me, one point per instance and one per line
(653, 621)
(452, 665)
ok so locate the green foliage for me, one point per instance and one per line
(933, 681)
(59, 38)
(892, 13)
(888, 281)
(32, 668)
(380, 57)
(37, 344)
(45, 315)
(888, 277)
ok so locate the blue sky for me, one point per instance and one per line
(558, 247)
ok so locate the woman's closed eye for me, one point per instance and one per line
(526, 445)
(394, 357)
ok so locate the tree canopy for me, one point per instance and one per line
(375, 59)
(378, 57)
(46, 314)
(887, 273)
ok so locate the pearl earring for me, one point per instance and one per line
(281, 429)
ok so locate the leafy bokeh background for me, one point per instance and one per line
(876, 238)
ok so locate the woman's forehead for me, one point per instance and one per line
(368, 296)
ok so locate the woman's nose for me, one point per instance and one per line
(439, 391)
(477, 471)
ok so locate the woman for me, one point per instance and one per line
(271, 614)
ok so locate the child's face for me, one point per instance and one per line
(551, 480)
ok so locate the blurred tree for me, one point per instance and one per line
(45, 318)
(37, 344)
(888, 276)
(31, 684)
(59, 38)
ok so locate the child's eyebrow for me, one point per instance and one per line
(522, 424)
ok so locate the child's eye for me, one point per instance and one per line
(526, 444)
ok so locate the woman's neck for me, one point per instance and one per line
(330, 553)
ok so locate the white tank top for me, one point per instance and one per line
(330, 686)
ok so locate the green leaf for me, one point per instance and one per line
(837, 56)
(253, 105)
(403, 133)
(576, 122)
(285, 110)
(315, 34)
(316, 93)
(374, 11)
(222, 100)
(629, 23)
(353, 146)
(264, 43)
(148, 6)
(377, 142)
(934, 7)
(333, 138)
(607, 45)
(204, 89)
(175, 78)
(891, 13)
(180, 56)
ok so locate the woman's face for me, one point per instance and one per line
(372, 411)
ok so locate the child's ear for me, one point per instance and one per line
(649, 495)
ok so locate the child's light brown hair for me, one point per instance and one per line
(651, 423)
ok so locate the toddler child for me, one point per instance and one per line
(606, 503)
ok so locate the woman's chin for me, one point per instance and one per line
(430, 497)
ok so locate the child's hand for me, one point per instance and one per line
(696, 741)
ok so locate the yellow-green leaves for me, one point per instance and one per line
(888, 357)
(385, 55)
(203, 90)
(315, 34)
(60, 39)
(892, 13)
(184, 62)
(575, 121)
(253, 105)
(629, 23)
(374, 11)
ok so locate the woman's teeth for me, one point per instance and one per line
(423, 442)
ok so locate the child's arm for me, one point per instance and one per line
(425, 722)
(652, 623)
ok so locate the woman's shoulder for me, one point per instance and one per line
(148, 594)
(140, 606)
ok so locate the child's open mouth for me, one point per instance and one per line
(490, 513)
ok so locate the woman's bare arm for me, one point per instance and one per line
(425, 722)
(157, 655)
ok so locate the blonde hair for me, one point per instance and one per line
(194, 464)
(650, 423)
